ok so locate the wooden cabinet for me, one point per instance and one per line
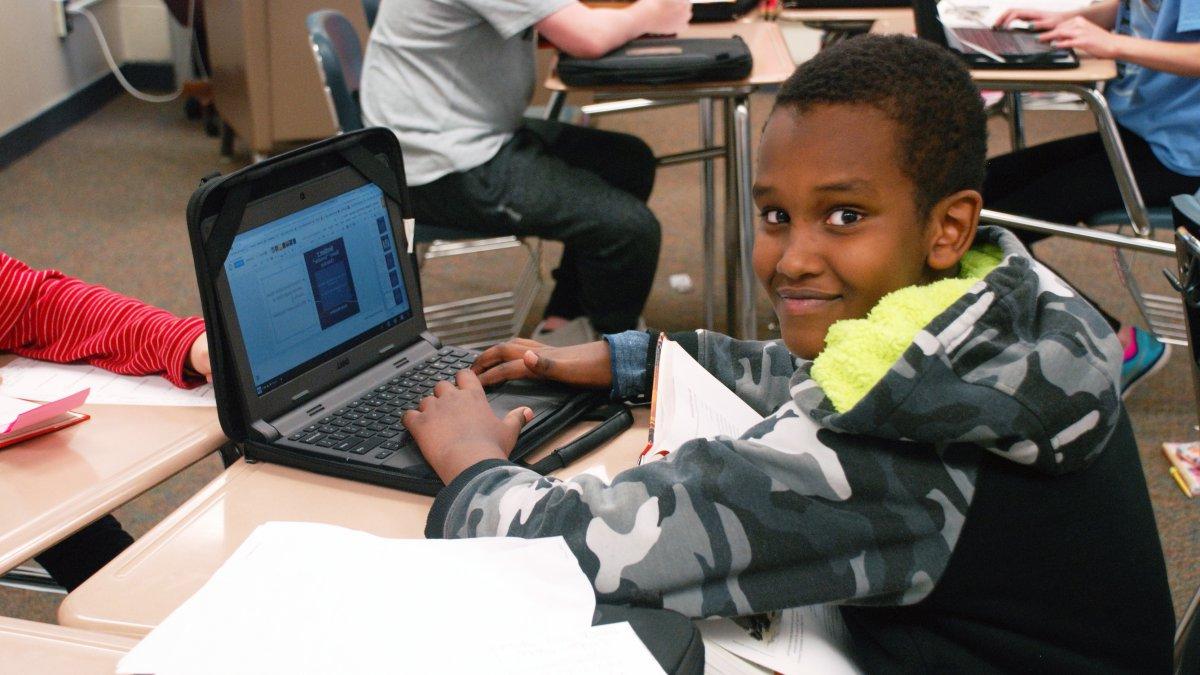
(264, 79)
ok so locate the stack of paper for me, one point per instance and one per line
(688, 402)
(308, 598)
(800, 640)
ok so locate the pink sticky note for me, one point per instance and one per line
(47, 410)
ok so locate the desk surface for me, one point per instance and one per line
(28, 647)
(1090, 70)
(138, 589)
(772, 62)
(53, 485)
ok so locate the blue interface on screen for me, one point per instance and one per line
(314, 283)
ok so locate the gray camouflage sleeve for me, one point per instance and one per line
(790, 515)
(757, 371)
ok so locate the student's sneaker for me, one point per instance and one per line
(577, 331)
(1145, 356)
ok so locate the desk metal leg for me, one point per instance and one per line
(1135, 207)
(1016, 120)
(709, 215)
(748, 319)
(555, 105)
(732, 240)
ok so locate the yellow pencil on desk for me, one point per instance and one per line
(1180, 482)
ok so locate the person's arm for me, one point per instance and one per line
(47, 315)
(589, 33)
(1178, 58)
(1103, 14)
(789, 515)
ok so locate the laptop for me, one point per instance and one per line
(987, 48)
(323, 321)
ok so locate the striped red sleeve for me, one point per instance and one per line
(45, 314)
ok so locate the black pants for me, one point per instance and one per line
(584, 187)
(1071, 180)
(74, 559)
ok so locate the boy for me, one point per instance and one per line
(944, 439)
(47, 315)
(452, 79)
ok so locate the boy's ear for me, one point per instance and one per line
(953, 222)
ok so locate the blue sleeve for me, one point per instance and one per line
(1189, 16)
(628, 354)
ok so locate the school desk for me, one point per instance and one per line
(772, 65)
(53, 485)
(29, 647)
(139, 588)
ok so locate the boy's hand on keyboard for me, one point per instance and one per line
(455, 428)
(588, 365)
(1038, 19)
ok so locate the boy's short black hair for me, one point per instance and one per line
(921, 86)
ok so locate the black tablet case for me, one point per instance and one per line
(226, 198)
(661, 61)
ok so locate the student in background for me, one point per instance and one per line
(47, 315)
(1156, 103)
(943, 438)
(452, 80)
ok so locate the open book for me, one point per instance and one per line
(688, 402)
(21, 419)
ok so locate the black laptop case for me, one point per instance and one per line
(661, 61)
(214, 215)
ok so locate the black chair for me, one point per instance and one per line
(1186, 211)
(464, 322)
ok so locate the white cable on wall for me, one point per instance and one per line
(112, 63)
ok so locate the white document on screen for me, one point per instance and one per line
(311, 598)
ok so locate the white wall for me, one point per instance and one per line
(38, 70)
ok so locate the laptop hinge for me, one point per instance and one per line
(432, 339)
(265, 431)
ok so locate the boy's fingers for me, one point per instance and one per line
(539, 364)
(410, 417)
(515, 420)
(511, 370)
(442, 388)
(468, 381)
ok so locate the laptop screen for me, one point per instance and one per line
(315, 283)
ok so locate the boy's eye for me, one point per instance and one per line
(775, 216)
(844, 217)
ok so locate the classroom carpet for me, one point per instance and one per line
(105, 201)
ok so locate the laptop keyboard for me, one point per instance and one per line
(1004, 43)
(371, 424)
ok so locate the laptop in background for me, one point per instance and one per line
(987, 48)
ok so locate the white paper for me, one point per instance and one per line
(809, 639)
(310, 598)
(690, 403)
(42, 381)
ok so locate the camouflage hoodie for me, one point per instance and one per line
(814, 505)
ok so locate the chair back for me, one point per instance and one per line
(371, 8)
(338, 54)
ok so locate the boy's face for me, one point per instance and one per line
(838, 227)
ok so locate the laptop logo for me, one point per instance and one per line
(342, 363)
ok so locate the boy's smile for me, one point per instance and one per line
(839, 226)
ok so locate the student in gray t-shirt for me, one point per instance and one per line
(452, 79)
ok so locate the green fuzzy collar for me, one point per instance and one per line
(859, 352)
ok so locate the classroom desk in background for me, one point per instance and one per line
(53, 485)
(143, 585)
(772, 65)
(29, 647)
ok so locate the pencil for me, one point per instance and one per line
(1179, 481)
